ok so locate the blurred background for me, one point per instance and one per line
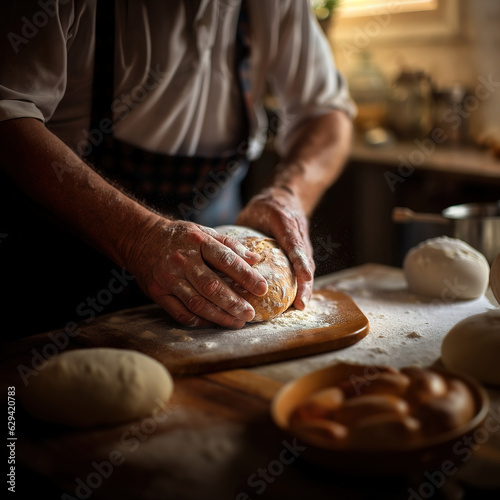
(425, 76)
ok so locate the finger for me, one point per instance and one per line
(228, 262)
(238, 247)
(176, 309)
(200, 306)
(292, 243)
(213, 287)
(304, 292)
(296, 244)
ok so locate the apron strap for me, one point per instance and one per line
(103, 79)
(104, 64)
(169, 181)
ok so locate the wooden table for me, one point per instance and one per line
(215, 440)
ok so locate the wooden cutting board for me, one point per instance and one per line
(331, 321)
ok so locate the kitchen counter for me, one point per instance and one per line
(427, 155)
(216, 440)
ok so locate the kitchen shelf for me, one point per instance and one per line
(463, 160)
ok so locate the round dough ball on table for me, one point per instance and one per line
(275, 268)
(472, 347)
(446, 268)
(88, 387)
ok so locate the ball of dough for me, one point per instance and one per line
(274, 267)
(472, 347)
(97, 386)
(446, 268)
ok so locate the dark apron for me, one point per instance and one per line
(195, 188)
(49, 277)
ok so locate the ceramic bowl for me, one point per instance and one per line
(401, 459)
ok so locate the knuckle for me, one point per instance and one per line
(211, 287)
(195, 303)
(184, 318)
(164, 282)
(233, 305)
(248, 277)
(197, 237)
(226, 259)
(177, 259)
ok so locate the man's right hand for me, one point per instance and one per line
(174, 262)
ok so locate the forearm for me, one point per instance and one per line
(319, 149)
(48, 172)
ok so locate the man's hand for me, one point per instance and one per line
(278, 213)
(174, 262)
(317, 151)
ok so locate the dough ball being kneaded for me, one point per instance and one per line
(472, 347)
(446, 268)
(274, 267)
(88, 387)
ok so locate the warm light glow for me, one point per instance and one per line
(357, 8)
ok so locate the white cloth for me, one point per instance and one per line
(176, 88)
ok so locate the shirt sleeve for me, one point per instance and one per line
(303, 74)
(33, 56)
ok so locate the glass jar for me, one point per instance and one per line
(410, 112)
(368, 88)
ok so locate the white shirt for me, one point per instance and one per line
(176, 88)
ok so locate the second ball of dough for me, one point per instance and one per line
(87, 387)
(472, 346)
(446, 268)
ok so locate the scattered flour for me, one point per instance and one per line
(319, 313)
(404, 329)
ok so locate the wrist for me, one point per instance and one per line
(135, 235)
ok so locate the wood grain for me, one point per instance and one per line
(190, 351)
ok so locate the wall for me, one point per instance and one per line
(470, 52)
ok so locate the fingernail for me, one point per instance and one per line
(248, 313)
(303, 301)
(241, 249)
(260, 288)
(252, 255)
(237, 323)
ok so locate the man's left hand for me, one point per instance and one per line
(276, 211)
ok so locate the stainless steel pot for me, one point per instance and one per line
(478, 224)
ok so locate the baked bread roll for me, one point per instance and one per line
(402, 412)
(275, 268)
